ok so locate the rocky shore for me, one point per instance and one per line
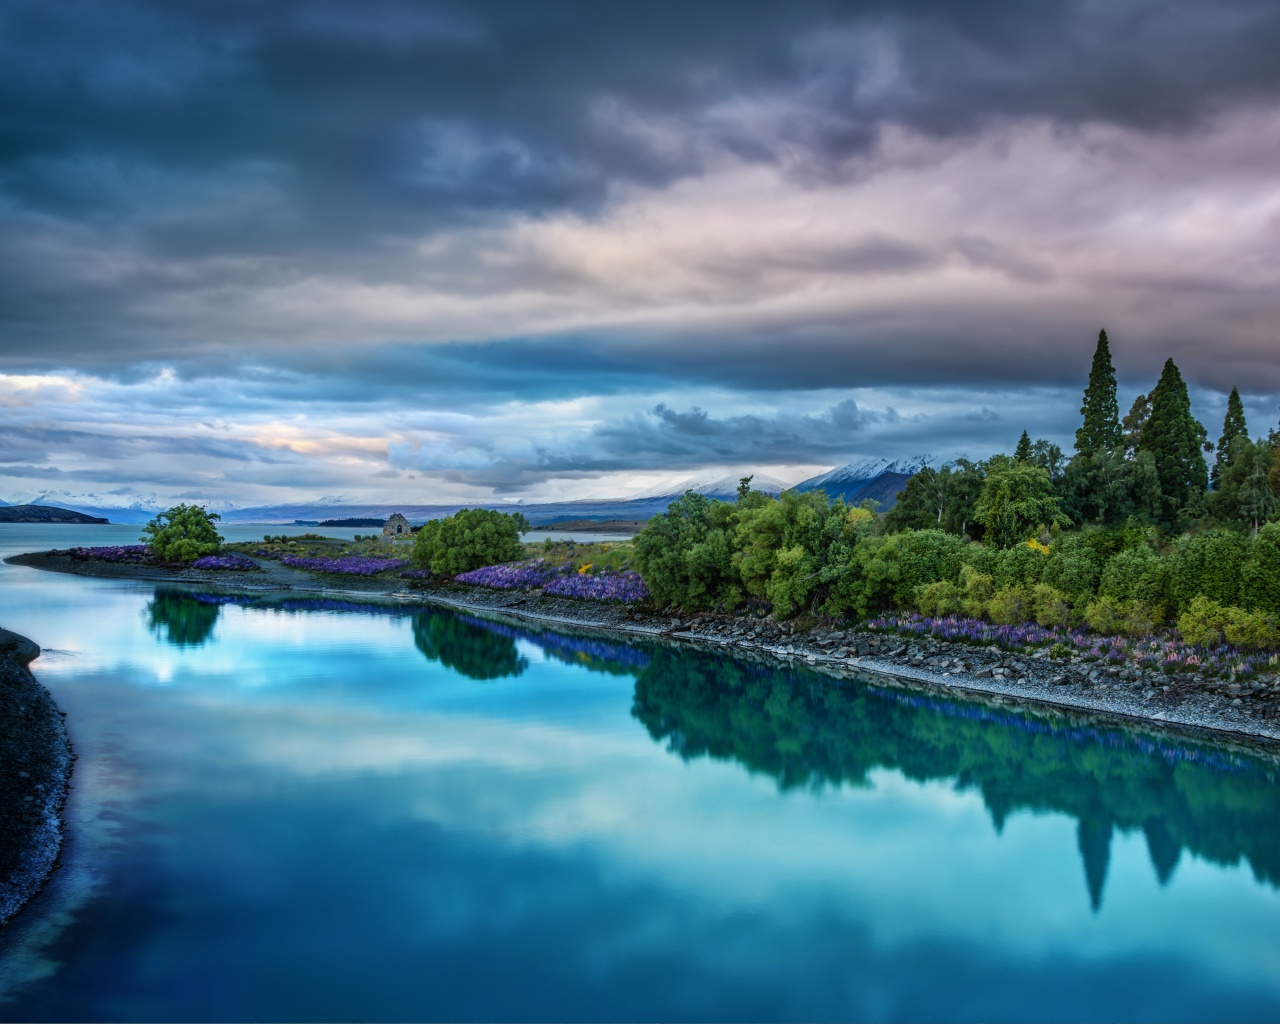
(35, 770)
(1239, 709)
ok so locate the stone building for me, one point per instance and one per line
(397, 526)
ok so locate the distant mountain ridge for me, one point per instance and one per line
(879, 479)
(875, 478)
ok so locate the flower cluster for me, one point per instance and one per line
(347, 565)
(416, 574)
(1154, 653)
(511, 576)
(236, 563)
(626, 586)
(562, 581)
(135, 553)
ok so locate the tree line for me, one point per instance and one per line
(1134, 531)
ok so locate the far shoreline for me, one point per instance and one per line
(997, 675)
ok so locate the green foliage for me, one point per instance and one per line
(1017, 499)
(1209, 563)
(1022, 453)
(1112, 617)
(686, 556)
(1209, 623)
(469, 539)
(1174, 439)
(1135, 422)
(1233, 426)
(1009, 606)
(183, 534)
(936, 499)
(940, 598)
(888, 572)
(1260, 575)
(1051, 607)
(1101, 429)
(1108, 488)
(976, 588)
(1139, 574)
(1074, 568)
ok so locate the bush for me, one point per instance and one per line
(889, 571)
(1203, 623)
(1209, 563)
(1009, 606)
(939, 599)
(977, 588)
(183, 534)
(1113, 617)
(470, 539)
(1260, 576)
(1051, 607)
(685, 556)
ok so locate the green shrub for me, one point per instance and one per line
(977, 588)
(1203, 623)
(1260, 575)
(941, 598)
(1010, 606)
(1113, 617)
(1074, 571)
(1251, 629)
(1051, 607)
(1020, 566)
(470, 539)
(1209, 563)
(183, 534)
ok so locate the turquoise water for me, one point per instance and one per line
(291, 810)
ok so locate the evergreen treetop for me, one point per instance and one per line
(1173, 437)
(1233, 426)
(1023, 452)
(1101, 428)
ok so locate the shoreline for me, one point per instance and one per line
(35, 776)
(997, 675)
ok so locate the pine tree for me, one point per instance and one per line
(1023, 452)
(1232, 427)
(1134, 423)
(1101, 428)
(1173, 437)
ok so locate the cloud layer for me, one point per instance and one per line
(509, 245)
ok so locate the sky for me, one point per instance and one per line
(486, 250)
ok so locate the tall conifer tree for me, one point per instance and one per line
(1233, 426)
(1024, 451)
(1173, 437)
(1101, 428)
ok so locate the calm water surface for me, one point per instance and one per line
(293, 810)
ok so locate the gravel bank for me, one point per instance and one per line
(1247, 712)
(35, 769)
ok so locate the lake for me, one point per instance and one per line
(291, 809)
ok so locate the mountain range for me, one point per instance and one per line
(879, 479)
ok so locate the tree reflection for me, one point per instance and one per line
(467, 646)
(181, 619)
(807, 730)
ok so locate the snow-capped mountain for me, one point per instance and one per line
(119, 508)
(876, 478)
(722, 488)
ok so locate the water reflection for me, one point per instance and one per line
(467, 647)
(805, 730)
(181, 619)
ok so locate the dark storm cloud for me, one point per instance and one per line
(246, 141)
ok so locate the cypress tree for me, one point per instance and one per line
(1233, 426)
(1023, 452)
(1101, 428)
(1173, 437)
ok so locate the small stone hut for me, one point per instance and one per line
(397, 526)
